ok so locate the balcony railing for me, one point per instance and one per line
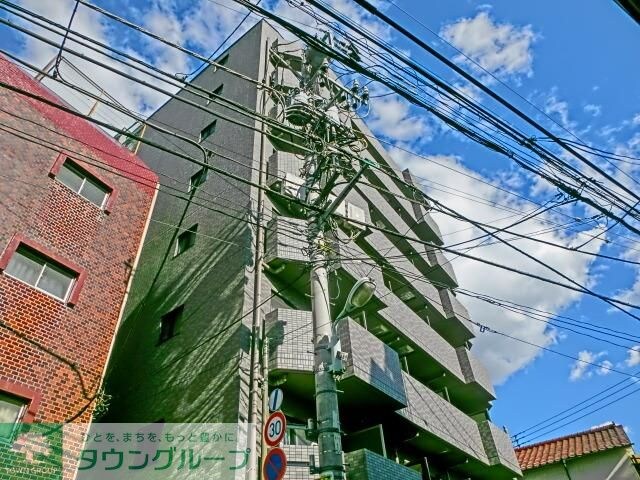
(499, 449)
(367, 465)
(373, 374)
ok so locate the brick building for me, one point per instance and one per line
(74, 207)
(415, 402)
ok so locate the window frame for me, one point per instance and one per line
(110, 190)
(176, 314)
(192, 230)
(218, 91)
(32, 400)
(214, 124)
(48, 255)
(200, 176)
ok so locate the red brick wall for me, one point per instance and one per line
(47, 346)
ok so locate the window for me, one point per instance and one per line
(212, 95)
(11, 412)
(197, 179)
(208, 131)
(168, 324)
(83, 183)
(31, 267)
(186, 240)
(223, 60)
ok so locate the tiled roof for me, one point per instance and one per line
(575, 445)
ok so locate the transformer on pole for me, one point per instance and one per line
(315, 111)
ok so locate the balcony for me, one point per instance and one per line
(455, 325)
(474, 396)
(373, 375)
(298, 461)
(431, 231)
(434, 426)
(286, 257)
(403, 277)
(499, 450)
(441, 269)
(367, 465)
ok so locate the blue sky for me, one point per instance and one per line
(572, 60)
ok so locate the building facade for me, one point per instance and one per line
(603, 452)
(415, 401)
(75, 206)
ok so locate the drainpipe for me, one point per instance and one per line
(566, 469)
(257, 380)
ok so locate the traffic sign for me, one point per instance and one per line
(275, 465)
(274, 429)
(275, 399)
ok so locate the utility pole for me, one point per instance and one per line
(320, 109)
(326, 392)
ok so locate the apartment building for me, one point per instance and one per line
(74, 206)
(415, 401)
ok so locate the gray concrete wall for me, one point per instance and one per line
(196, 376)
(610, 465)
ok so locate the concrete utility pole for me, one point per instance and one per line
(320, 109)
(326, 391)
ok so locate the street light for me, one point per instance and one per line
(358, 297)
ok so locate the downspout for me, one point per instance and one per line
(257, 383)
(566, 469)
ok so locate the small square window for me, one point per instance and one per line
(208, 131)
(198, 179)
(168, 324)
(11, 411)
(83, 183)
(34, 269)
(186, 240)
(223, 60)
(216, 92)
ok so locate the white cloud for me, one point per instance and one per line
(559, 109)
(501, 48)
(592, 109)
(634, 357)
(636, 119)
(503, 356)
(392, 117)
(200, 25)
(582, 367)
(605, 367)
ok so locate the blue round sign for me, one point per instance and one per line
(275, 465)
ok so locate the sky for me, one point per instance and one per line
(566, 64)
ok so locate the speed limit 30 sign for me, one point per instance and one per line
(275, 429)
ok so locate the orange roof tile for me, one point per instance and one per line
(575, 445)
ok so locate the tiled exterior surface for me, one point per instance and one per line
(474, 371)
(371, 360)
(455, 310)
(298, 461)
(405, 320)
(576, 445)
(280, 163)
(53, 350)
(367, 465)
(286, 240)
(432, 413)
(290, 340)
(498, 446)
(442, 266)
